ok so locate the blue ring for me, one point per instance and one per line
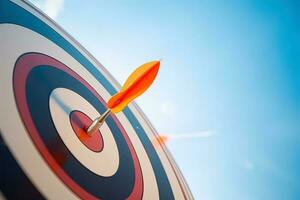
(14, 14)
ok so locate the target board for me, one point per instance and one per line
(51, 89)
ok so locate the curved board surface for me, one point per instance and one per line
(51, 89)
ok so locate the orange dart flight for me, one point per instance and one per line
(136, 84)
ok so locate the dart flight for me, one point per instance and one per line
(135, 85)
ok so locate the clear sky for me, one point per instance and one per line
(229, 68)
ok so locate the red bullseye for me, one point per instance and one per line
(79, 122)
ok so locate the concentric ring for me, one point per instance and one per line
(24, 29)
(32, 95)
(63, 104)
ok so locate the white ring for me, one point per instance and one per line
(104, 163)
(21, 145)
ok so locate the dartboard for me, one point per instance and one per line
(51, 88)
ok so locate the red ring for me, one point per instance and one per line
(80, 122)
(23, 66)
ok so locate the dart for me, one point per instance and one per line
(63, 119)
(135, 85)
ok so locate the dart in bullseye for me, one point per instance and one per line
(135, 85)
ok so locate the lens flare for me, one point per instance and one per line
(162, 139)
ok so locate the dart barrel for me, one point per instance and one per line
(51, 89)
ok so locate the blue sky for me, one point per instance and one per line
(229, 68)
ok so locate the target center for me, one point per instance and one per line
(79, 122)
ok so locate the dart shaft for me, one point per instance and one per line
(98, 122)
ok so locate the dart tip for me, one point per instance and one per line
(97, 123)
